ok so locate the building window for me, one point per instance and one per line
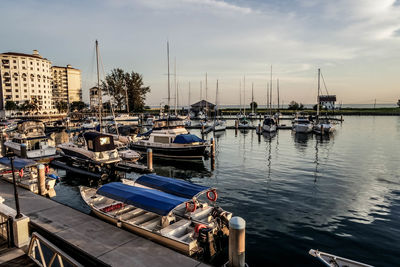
(24, 79)
(31, 68)
(23, 61)
(31, 63)
(16, 96)
(25, 96)
(14, 61)
(31, 79)
(25, 85)
(37, 69)
(32, 85)
(16, 84)
(37, 63)
(16, 90)
(15, 79)
(15, 67)
(25, 91)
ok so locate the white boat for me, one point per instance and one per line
(219, 125)
(165, 210)
(90, 124)
(269, 124)
(127, 119)
(302, 124)
(92, 146)
(31, 133)
(322, 125)
(244, 123)
(335, 261)
(125, 153)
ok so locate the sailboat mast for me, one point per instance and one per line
(216, 103)
(252, 97)
(270, 94)
(267, 95)
(189, 99)
(176, 89)
(244, 95)
(201, 90)
(98, 84)
(319, 75)
(240, 96)
(169, 83)
(277, 90)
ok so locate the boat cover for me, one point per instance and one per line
(18, 162)
(187, 139)
(148, 199)
(170, 185)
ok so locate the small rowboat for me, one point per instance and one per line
(335, 261)
(178, 221)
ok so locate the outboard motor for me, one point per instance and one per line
(223, 216)
(206, 241)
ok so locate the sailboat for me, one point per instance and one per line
(252, 114)
(322, 125)
(269, 123)
(243, 121)
(219, 125)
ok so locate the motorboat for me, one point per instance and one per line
(269, 124)
(172, 143)
(335, 261)
(92, 146)
(126, 153)
(127, 119)
(90, 124)
(175, 213)
(219, 125)
(31, 133)
(244, 123)
(302, 124)
(323, 126)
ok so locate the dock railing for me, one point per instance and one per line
(46, 254)
(6, 222)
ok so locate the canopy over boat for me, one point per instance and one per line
(18, 162)
(172, 186)
(187, 139)
(148, 199)
(99, 142)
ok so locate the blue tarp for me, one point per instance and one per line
(147, 199)
(18, 162)
(170, 185)
(187, 139)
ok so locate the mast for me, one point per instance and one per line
(252, 97)
(201, 90)
(169, 84)
(267, 96)
(319, 75)
(176, 88)
(240, 96)
(206, 97)
(189, 100)
(216, 104)
(98, 84)
(244, 95)
(270, 94)
(277, 89)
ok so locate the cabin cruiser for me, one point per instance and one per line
(302, 124)
(323, 126)
(31, 133)
(219, 125)
(269, 124)
(125, 153)
(127, 119)
(170, 139)
(175, 213)
(92, 146)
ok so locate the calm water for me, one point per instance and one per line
(339, 194)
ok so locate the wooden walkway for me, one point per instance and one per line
(91, 237)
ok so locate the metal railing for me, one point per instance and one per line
(6, 229)
(46, 254)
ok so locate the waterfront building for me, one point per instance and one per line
(94, 97)
(66, 84)
(25, 77)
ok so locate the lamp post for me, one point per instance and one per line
(11, 157)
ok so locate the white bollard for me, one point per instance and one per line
(150, 159)
(237, 234)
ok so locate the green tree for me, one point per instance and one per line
(253, 106)
(136, 91)
(293, 105)
(398, 103)
(166, 109)
(61, 106)
(114, 85)
(78, 106)
(11, 105)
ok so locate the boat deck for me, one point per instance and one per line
(90, 237)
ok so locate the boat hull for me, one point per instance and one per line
(302, 128)
(181, 152)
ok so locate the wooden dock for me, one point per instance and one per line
(89, 240)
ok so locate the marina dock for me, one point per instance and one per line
(88, 240)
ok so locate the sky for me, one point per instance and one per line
(356, 43)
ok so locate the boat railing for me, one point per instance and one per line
(44, 253)
(6, 221)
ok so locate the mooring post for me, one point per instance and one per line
(3, 147)
(150, 159)
(236, 124)
(237, 234)
(259, 128)
(24, 154)
(322, 129)
(212, 148)
(41, 179)
(341, 118)
(202, 129)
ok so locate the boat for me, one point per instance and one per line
(90, 124)
(127, 119)
(165, 210)
(173, 142)
(302, 124)
(125, 153)
(92, 146)
(322, 125)
(218, 125)
(269, 124)
(244, 123)
(31, 133)
(335, 261)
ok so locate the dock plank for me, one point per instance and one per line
(100, 239)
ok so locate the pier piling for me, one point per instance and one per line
(150, 159)
(213, 148)
(41, 179)
(3, 147)
(237, 233)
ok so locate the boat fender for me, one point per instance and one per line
(47, 169)
(214, 196)
(191, 208)
(21, 173)
(199, 227)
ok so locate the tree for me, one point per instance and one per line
(253, 106)
(78, 106)
(293, 105)
(114, 85)
(166, 109)
(136, 91)
(34, 105)
(61, 106)
(11, 105)
(398, 103)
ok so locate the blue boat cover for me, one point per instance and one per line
(18, 162)
(187, 139)
(148, 199)
(170, 185)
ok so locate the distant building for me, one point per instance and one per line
(25, 77)
(66, 84)
(202, 105)
(94, 97)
